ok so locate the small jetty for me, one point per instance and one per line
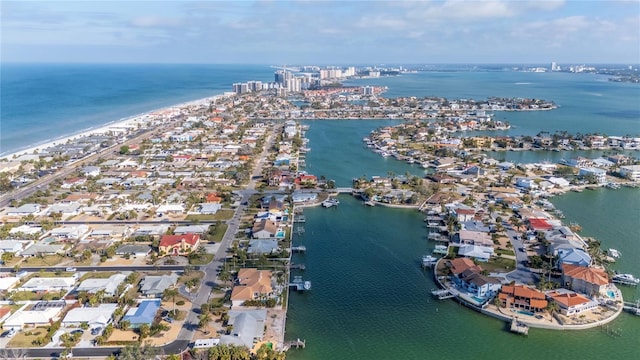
(297, 267)
(428, 261)
(299, 219)
(443, 294)
(633, 308)
(299, 284)
(330, 203)
(519, 327)
(370, 203)
(297, 343)
(625, 279)
(299, 230)
(299, 249)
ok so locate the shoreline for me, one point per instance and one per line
(129, 121)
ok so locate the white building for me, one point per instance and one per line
(631, 172)
(600, 175)
(95, 317)
(109, 285)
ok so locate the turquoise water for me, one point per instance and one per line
(370, 298)
(528, 313)
(588, 103)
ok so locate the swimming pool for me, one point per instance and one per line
(611, 294)
(523, 312)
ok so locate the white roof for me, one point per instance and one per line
(92, 315)
(46, 283)
(7, 282)
(109, 285)
(19, 318)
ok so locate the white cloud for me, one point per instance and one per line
(151, 21)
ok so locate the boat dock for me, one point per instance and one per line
(297, 343)
(299, 284)
(297, 267)
(299, 249)
(633, 308)
(625, 279)
(299, 219)
(443, 294)
(519, 327)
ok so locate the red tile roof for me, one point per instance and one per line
(588, 274)
(540, 224)
(170, 240)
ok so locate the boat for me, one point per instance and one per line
(612, 185)
(428, 260)
(330, 203)
(614, 253)
(626, 279)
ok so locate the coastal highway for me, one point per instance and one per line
(46, 180)
(104, 268)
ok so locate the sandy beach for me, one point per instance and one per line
(120, 126)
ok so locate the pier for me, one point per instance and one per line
(297, 343)
(443, 294)
(519, 327)
(299, 249)
(428, 261)
(633, 308)
(299, 219)
(297, 267)
(299, 284)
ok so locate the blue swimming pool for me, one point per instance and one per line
(523, 312)
(611, 294)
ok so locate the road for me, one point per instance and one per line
(208, 283)
(103, 268)
(522, 273)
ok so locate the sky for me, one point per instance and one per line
(321, 32)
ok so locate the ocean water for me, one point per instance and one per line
(370, 299)
(43, 102)
(588, 103)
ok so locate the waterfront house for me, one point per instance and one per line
(599, 175)
(264, 229)
(460, 265)
(95, 317)
(303, 196)
(631, 172)
(571, 303)
(252, 284)
(248, 327)
(471, 237)
(262, 246)
(584, 279)
(573, 256)
(522, 297)
(145, 313)
(479, 285)
(480, 253)
(538, 224)
(178, 244)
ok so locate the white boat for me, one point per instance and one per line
(626, 279)
(614, 253)
(330, 202)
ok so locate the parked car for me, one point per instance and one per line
(71, 269)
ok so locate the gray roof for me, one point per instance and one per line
(133, 249)
(262, 246)
(42, 249)
(248, 325)
(155, 285)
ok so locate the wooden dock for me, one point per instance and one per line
(633, 308)
(443, 294)
(297, 343)
(297, 267)
(519, 327)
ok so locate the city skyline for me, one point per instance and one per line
(322, 32)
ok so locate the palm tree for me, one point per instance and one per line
(171, 293)
(552, 307)
(204, 320)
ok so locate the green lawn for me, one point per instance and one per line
(97, 275)
(23, 339)
(202, 259)
(499, 265)
(505, 252)
(224, 214)
(49, 260)
(220, 229)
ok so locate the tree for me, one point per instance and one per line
(124, 325)
(204, 320)
(143, 331)
(171, 293)
(124, 150)
(136, 351)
